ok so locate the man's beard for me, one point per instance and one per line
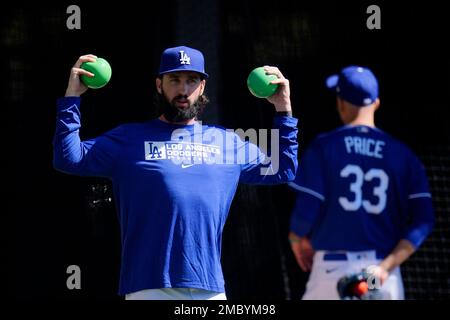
(172, 113)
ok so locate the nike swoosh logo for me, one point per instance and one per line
(184, 166)
(331, 270)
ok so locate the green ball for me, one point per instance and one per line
(258, 82)
(101, 70)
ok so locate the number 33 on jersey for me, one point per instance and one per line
(361, 181)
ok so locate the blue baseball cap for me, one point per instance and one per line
(357, 85)
(182, 59)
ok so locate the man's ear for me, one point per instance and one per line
(159, 85)
(202, 85)
(377, 104)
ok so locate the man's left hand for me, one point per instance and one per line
(281, 98)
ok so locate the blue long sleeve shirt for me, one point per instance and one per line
(173, 187)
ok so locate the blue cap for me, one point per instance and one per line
(182, 59)
(357, 85)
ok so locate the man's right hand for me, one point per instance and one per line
(76, 87)
(303, 251)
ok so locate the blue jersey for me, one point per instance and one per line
(173, 187)
(360, 189)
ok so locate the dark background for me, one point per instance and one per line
(55, 220)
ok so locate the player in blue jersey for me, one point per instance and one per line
(363, 199)
(173, 178)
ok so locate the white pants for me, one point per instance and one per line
(176, 294)
(322, 282)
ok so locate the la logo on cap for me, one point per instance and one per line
(184, 58)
